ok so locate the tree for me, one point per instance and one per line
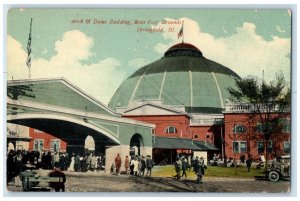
(269, 103)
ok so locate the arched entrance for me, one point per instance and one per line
(11, 146)
(89, 145)
(136, 143)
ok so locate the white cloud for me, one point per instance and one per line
(16, 59)
(245, 52)
(137, 63)
(74, 47)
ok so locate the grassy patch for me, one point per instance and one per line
(211, 171)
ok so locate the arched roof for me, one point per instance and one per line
(182, 77)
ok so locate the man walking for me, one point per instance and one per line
(143, 163)
(177, 166)
(184, 165)
(149, 165)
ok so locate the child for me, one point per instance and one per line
(112, 168)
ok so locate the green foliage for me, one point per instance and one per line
(250, 91)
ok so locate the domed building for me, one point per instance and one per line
(183, 77)
(183, 94)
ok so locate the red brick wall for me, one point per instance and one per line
(47, 139)
(201, 132)
(181, 122)
(250, 136)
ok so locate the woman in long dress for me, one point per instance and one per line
(72, 164)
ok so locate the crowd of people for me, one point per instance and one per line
(18, 161)
(135, 165)
(89, 162)
(184, 163)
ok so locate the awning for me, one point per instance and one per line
(178, 143)
(206, 145)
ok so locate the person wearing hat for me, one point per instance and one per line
(143, 164)
(199, 168)
(149, 165)
(177, 166)
(58, 186)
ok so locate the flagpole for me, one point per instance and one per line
(182, 32)
(28, 62)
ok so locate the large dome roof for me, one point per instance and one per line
(182, 77)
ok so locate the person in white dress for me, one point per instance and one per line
(135, 164)
(72, 164)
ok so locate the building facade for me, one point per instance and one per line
(42, 141)
(244, 136)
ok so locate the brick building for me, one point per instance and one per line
(243, 134)
(42, 141)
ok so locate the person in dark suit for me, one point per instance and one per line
(184, 166)
(149, 165)
(58, 186)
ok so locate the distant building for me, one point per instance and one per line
(17, 137)
(42, 141)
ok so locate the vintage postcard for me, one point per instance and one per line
(148, 100)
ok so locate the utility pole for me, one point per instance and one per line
(222, 141)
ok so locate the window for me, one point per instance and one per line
(38, 144)
(55, 145)
(196, 136)
(239, 147)
(239, 129)
(260, 147)
(286, 126)
(171, 129)
(207, 135)
(270, 146)
(286, 147)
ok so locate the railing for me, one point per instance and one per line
(246, 108)
(195, 122)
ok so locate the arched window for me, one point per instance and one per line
(239, 129)
(171, 129)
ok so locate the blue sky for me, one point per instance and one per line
(98, 57)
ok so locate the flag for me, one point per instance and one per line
(28, 62)
(180, 33)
